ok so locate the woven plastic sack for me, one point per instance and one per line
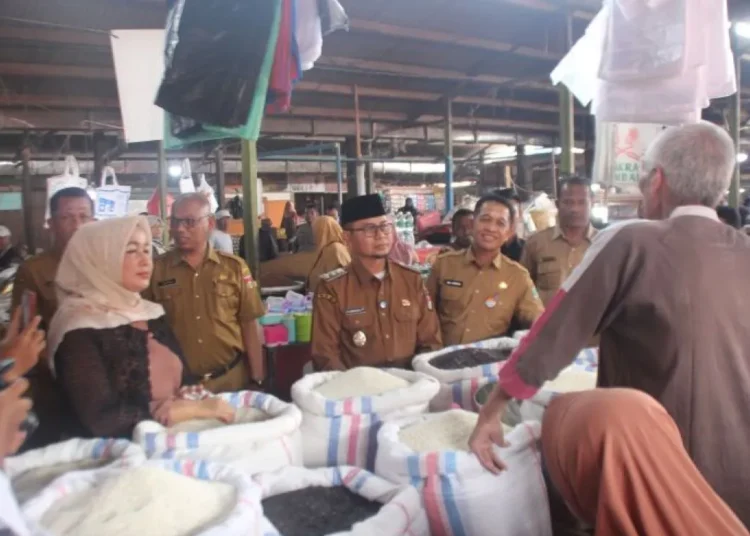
(244, 519)
(70, 178)
(251, 447)
(460, 496)
(111, 199)
(458, 387)
(344, 432)
(32, 471)
(402, 512)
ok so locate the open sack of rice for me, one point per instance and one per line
(157, 498)
(462, 498)
(29, 473)
(342, 411)
(339, 500)
(463, 369)
(264, 436)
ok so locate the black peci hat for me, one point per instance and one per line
(361, 208)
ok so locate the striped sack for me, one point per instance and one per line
(244, 519)
(249, 446)
(34, 470)
(458, 386)
(343, 432)
(461, 497)
(402, 513)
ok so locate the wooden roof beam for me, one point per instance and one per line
(57, 71)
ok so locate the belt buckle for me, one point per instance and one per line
(208, 377)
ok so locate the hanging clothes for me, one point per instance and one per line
(285, 70)
(309, 33)
(332, 16)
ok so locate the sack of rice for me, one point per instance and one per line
(342, 411)
(32, 471)
(463, 369)
(520, 334)
(158, 498)
(345, 501)
(264, 436)
(460, 496)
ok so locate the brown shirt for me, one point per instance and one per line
(476, 303)
(360, 320)
(206, 309)
(669, 299)
(550, 258)
(334, 255)
(38, 276)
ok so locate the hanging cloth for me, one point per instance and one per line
(284, 72)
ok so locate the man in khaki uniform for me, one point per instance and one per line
(70, 208)
(552, 254)
(478, 291)
(211, 302)
(374, 312)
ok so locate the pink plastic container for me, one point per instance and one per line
(276, 335)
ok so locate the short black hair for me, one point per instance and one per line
(68, 193)
(460, 213)
(508, 193)
(573, 180)
(730, 215)
(494, 198)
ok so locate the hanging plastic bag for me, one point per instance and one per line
(332, 17)
(70, 178)
(187, 186)
(207, 190)
(111, 199)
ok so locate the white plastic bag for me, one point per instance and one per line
(460, 496)
(111, 199)
(251, 447)
(243, 519)
(187, 186)
(34, 470)
(208, 191)
(344, 432)
(402, 513)
(70, 178)
(458, 387)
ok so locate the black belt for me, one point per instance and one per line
(221, 371)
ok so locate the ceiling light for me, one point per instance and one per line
(175, 171)
(742, 29)
(741, 158)
(596, 187)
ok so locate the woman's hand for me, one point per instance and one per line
(216, 408)
(13, 410)
(22, 345)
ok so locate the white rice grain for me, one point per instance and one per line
(241, 416)
(32, 481)
(449, 430)
(361, 381)
(146, 501)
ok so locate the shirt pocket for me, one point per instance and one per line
(227, 300)
(549, 275)
(452, 299)
(170, 298)
(354, 323)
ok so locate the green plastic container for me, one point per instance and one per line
(303, 323)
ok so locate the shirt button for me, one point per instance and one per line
(387, 336)
(467, 330)
(197, 318)
(196, 275)
(473, 311)
(200, 341)
(480, 273)
(382, 314)
(197, 296)
(476, 292)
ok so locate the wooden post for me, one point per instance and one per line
(28, 215)
(220, 178)
(163, 190)
(250, 202)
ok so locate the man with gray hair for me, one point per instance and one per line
(669, 300)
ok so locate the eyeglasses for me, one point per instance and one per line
(190, 223)
(371, 230)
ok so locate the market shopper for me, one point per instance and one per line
(375, 312)
(513, 247)
(220, 238)
(305, 236)
(70, 209)
(461, 225)
(478, 291)
(617, 458)
(332, 250)
(551, 255)
(113, 352)
(9, 254)
(672, 316)
(211, 301)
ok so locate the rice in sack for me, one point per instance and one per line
(341, 428)
(462, 498)
(345, 501)
(32, 471)
(463, 369)
(264, 436)
(158, 498)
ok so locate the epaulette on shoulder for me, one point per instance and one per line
(333, 274)
(408, 267)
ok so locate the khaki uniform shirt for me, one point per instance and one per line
(206, 309)
(334, 255)
(550, 259)
(38, 276)
(476, 303)
(360, 320)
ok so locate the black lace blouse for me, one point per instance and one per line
(104, 374)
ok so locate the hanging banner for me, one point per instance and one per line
(620, 147)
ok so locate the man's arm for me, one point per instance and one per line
(587, 303)
(326, 327)
(22, 282)
(428, 328)
(528, 259)
(529, 308)
(251, 308)
(433, 283)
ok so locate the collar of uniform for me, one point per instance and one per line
(557, 233)
(363, 274)
(211, 255)
(695, 210)
(469, 258)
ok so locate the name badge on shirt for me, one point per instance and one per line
(454, 283)
(549, 259)
(355, 311)
(167, 283)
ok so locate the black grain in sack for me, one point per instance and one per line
(469, 357)
(317, 510)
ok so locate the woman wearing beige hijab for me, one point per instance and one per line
(617, 459)
(332, 252)
(113, 352)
